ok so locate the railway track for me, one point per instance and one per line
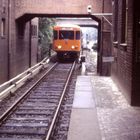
(33, 116)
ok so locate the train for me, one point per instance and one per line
(67, 41)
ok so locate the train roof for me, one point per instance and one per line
(67, 26)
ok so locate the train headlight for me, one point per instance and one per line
(59, 47)
(73, 47)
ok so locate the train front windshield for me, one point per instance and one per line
(66, 35)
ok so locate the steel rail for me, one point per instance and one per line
(5, 115)
(60, 103)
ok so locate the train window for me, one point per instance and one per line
(55, 36)
(66, 35)
(77, 35)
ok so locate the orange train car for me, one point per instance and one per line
(67, 41)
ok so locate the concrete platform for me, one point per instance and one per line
(101, 112)
(84, 122)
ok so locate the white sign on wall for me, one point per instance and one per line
(108, 59)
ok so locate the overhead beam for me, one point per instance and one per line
(102, 14)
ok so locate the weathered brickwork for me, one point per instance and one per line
(122, 67)
(56, 6)
(21, 45)
(4, 41)
(15, 44)
(24, 51)
(125, 68)
(136, 55)
(34, 41)
(105, 50)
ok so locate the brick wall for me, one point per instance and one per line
(17, 50)
(19, 45)
(136, 55)
(4, 42)
(56, 6)
(24, 51)
(105, 50)
(122, 66)
(34, 41)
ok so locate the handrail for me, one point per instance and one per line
(16, 82)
